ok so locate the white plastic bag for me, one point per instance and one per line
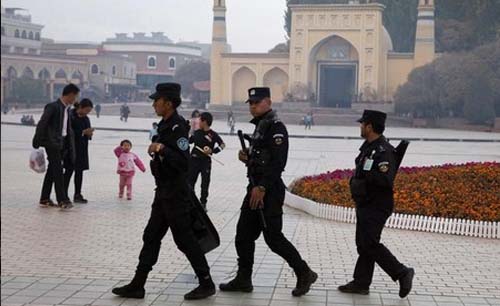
(37, 160)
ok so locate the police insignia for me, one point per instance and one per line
(183, 143)
(278, 140)
(383, 167)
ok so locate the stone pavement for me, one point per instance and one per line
(335, 131)
(51, 257)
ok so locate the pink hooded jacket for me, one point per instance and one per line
(127, 162)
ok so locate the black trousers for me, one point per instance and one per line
(369, 225)
(54, 175)
(248, 230)
(201, 166)
(179, 221)
(68, 172)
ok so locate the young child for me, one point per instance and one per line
(126, 167)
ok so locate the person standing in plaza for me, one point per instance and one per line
(230, 116)
(124, 112)
(98, 110)
(372, 191)
(232, 125)
(204, 139)
(80, 123)
(262, 209)
(153, 131)
(54, 133)
(172, 201)
(307, 121)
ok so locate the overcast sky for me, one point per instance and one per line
(252, 25)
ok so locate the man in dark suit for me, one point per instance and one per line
(54, 133)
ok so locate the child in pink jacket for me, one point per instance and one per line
(126, 167)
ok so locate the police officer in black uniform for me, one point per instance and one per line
(372, 191)
(171, 206)
(205, 141)
(266, 159)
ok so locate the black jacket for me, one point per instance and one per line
(170, 165)
(268, 150)
(202, 139)
(79, 124)
(373, 180)
(48, 132)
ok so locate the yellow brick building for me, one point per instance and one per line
(339, 53)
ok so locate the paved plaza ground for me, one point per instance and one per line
(51, 257)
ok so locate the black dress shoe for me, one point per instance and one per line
(201, 292)
(352, 287)
(130, 292)
(80, 199)
(406, 282)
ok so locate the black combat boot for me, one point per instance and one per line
(353, 287)
(242, 282)
(135, 289)
(305, 278)
(406, 282)
(204, 290)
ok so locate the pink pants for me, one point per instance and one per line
(126, 180)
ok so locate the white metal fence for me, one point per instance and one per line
(452, 226)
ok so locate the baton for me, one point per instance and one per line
(211, 156)
(244, 148)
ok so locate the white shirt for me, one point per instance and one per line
(65, 120)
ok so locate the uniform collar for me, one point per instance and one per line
(367, 144)
(170, 119)
(268, 115)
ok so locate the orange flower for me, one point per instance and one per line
(470, 191)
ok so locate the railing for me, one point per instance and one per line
(452, 226)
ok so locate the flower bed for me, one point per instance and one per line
(467, 191)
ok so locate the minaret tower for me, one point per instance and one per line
(424, 38)
(219, 45)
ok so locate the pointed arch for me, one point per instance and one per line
(277, 80)
(242, 80)
(60, 74)
(28, 73)
(44, 74)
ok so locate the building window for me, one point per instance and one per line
(113, 70)
(18, 50)
(3, 31)
(37, 36)
(94, 69)
(16, 33)
(152, 61)
(171, 62)
(23, 34)
(30, 35)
